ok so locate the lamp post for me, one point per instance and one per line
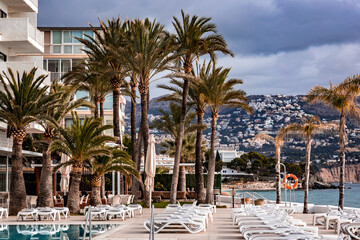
(278, 168)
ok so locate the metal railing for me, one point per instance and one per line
(254, 196)
(87, 223)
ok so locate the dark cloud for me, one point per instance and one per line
(281, 46)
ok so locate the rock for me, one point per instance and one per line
(322, 185)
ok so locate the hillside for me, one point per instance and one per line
(236, 129)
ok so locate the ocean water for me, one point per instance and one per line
(318, 196)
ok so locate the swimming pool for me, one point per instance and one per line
(50, 231)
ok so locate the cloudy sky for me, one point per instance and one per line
(280, 46)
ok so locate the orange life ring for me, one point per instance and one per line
(291, 186)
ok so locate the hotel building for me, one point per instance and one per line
(62, 53)
(21, 49)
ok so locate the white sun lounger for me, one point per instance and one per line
(189, 224)
(113, 212)
(100, 213)
(25, 213)
(137, 207)
(64, 211)
(4, 212)
(47, 213)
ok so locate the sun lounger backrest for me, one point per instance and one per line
(116, 199)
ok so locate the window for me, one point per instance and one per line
(56, 37)
(68, 49)
(3, 14)
(77, 49)
(2, 57)
(77, 34)
(67, 36)
(88, 33)
(56, 49)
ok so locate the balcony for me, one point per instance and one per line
(25, 66)
(22, 5)
(20, 36)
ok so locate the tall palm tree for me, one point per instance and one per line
(309, 127)
(81, 142)
(55, 115)
(343, 99)
(278, 141)
(100, 51)
(119, 161)
(194, 37)
(87, 77)
(23, 101)
(169, 123)
(187, 155)
(198, 102)
(220, 93)
(147, 52)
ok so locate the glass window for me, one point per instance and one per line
(108, 104)
(68, 49)
(45, 64)
(53, 66)
(81, 94)
(67, 36)
(77, 34)
(65, 66)
(56, 49)
(68, 123)
(56, 37)
(77, 49)
(76, 62)
(88, 33)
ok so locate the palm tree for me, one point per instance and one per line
(87, 77)
(169, 123)
(278, 141)
(81, 142)
(23, 101)
(187, 155)
(119, 161)
(100, 51)
(194, 37)
(198, 102)
(307, 129)
(56, 115)
(147, 52)
(220, 93)
(341, 97)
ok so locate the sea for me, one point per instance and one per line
(317, 196)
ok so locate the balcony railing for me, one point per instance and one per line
(15, 32)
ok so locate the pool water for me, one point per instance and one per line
(50, 231)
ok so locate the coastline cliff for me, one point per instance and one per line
(331, 174)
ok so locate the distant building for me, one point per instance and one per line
(229, 155)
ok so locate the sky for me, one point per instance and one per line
(280, 46)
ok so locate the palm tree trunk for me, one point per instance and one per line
(17, 184)
(134, 152)
(74, 192)
(182, 178)
(95, 190)
(96, 109)
(102, 190)
(342, 139)
(45, 198)
(136, 184)
(199, 177)
(179, 140)
(116, 108)
(144, 126)
(211, 164)
(307, 174)
(278, 175)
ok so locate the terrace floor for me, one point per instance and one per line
(133, 229)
